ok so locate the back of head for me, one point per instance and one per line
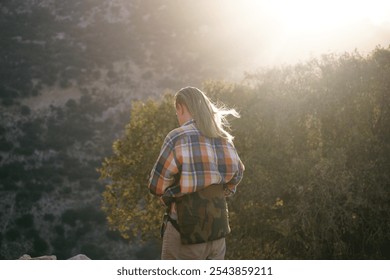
(210, 120)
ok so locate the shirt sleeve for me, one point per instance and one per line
(231, 186)
(163, 173)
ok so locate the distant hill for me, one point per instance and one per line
(69, 71)
(124, 47)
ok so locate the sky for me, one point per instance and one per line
(273, 32)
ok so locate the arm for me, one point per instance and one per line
(165, 170)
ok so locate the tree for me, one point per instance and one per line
(129, 207)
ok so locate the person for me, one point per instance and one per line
(198, 166)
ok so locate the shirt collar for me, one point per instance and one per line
(191, 121)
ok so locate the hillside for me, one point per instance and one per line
(69, 71)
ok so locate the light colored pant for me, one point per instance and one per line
(172, 249)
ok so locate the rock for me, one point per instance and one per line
(28, 257)
(79, 257)
(25, 257)
(52, 257)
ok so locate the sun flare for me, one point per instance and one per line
(314, 14)
(310, 15)
(291, 27)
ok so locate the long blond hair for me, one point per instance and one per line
(210, 119)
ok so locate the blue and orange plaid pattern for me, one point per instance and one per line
(189, 161)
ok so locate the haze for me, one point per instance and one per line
(264, 33)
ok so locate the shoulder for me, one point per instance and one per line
(181, 132)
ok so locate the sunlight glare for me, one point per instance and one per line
(309, 15)
(284, 30)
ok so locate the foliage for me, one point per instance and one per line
(48, 181)
(125, 200)
(76, 43)
(314, 138)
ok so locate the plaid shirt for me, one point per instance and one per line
(189, 161)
